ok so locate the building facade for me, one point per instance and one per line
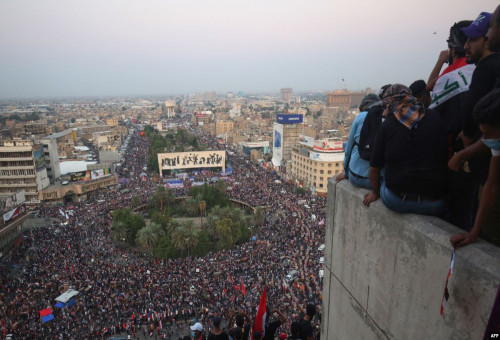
(22, 167)
(286, 132)
(313, 166)
(286, 94)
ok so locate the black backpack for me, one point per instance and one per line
(371, 125)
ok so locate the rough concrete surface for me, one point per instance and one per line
(385, 274)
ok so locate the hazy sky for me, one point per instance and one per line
(158, 47)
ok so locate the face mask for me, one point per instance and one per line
(493, 144)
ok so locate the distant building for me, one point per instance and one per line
(286, 133)
(168, 108)
(286, 94)
(51, 154)
(22, 167)
(344, 99)
(314, 162)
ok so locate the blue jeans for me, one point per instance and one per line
(402, 205)
(359, 182)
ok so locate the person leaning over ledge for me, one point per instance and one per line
(411, 145)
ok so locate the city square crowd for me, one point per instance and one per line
(128, 293)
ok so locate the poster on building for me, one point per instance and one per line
(306, 140)
(94, 174)
(289, 118)
(327, 157)
(277, 144)
(38, 157)
(327, 145)
(81, 176)
(190, 160)
(12, 201)
(14, 213)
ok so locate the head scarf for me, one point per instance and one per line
(369, 101)
(405, 107)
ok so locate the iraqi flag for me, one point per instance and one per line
(454, 80)
(260, 318)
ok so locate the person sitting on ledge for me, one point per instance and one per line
(356, 168)
(411, 145)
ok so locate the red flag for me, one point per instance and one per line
(243, 289)
(45, 312)
(159, 325)
(72, 269)
(260, 318)
(225, 291)
(230, 279)
(236, 287)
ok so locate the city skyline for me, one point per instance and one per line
(127, 48)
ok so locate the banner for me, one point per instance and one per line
(195, 159)
(306, 140)
(14, 200)
(277, 144)
(99, 173)
(289, 119)
(14, 213)
(80, 176)
(328, 145)
(38, 157)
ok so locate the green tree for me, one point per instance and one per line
(210, 226)
(119, 232)
(225, 232)
(147, 237)
(135, 201)
(161, 198)
(191, 206)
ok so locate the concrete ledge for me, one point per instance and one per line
(385, 273)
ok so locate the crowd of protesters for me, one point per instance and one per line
(127, 292)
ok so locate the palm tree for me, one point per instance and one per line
(119, 232)
(211, 226)
(191, 206)
(191, 235)
(147, 237)
(179, 239)
(202, 205)
(162, 197)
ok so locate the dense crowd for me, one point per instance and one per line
(129, 292)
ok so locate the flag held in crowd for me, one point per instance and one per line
(260, 318)
(46, 315)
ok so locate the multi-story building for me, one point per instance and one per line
(22, 167)
(112, 121)
(286, 132)
(37, 129)
(223, 127)
(51, 155)
(315, 162)
(344, 99)
(168, 108)
(286, 94)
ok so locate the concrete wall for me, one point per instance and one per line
(385, 274)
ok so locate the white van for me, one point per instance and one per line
(321, 247)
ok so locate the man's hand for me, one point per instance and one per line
(456, 163)
(463, 239)
(443, 56)
(370, 197)
(340, 177)
(467, 141)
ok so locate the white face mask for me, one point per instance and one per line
(493, 144)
